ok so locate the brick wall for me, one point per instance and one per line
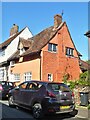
(58, 63)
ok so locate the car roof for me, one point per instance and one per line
(45, 82)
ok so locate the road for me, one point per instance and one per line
(22, 114)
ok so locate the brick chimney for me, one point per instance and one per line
(57, 20)
(14, 29)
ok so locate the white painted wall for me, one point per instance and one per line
(12, 47)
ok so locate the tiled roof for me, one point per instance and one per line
(41, 39)
(26, 43)
(37, 42)
(8, 41)
(84, 65)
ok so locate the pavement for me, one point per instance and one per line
(83, 113)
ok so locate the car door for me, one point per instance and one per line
(19, 92)
(30, 93)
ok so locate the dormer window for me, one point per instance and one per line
(22, 50)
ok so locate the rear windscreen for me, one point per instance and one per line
(58, 87)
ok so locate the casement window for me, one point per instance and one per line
(69, 51)
(50, 77)
(52, 47)
(27, 76)
(17, 77)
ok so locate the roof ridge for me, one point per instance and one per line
(10, 39)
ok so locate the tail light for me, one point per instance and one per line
(1, 88)
(50, 94)
(72, 94)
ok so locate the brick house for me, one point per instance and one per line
(47, 56)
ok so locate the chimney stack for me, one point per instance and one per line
(57, 20)
(14, 29)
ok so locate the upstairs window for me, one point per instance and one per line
(22, 50)
(52, 47)
(69, 51)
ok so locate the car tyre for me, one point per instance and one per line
(37, 111)
(11, 102)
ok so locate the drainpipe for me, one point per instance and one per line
(40, 64)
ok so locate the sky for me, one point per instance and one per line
(40, 15)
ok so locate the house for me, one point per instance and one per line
(84, 66)
(47, 56)
(9, 47)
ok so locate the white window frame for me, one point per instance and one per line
(27, 76)
(69, 51)
(50, 77)
(17, 77)
(52, 47)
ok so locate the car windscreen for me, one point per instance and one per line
(58, 87)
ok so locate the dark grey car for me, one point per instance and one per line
(43, 97)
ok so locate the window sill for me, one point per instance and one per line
(52, 52)
(70, 56)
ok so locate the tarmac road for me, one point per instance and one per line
(22, 114)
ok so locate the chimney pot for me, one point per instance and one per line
(14, 29)
(57, 20)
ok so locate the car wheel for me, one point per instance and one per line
(37, 111)
(11, 102)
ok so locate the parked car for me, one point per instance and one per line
(4, 88)
(43, 98)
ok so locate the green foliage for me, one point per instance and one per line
(89, 106)
(65, 77)
(84, 79)
(72, 84)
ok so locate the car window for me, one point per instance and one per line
(7, 84)
(34, 86)
(58, 87)
(23, 86)
(10, 84)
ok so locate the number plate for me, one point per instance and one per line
(64, 107)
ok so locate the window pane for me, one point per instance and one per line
(23, 86)
(50, 47)
(49, 77)
(54, 47)
(17, 77)
(27, 76)
(69, 51)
